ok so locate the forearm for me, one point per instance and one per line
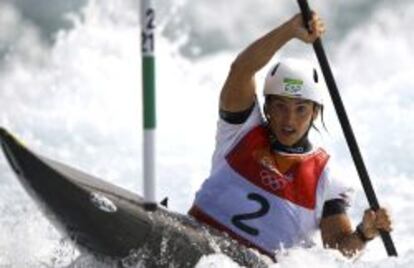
(239, 89)
(337, 232)
(259, 53)
(348, 245)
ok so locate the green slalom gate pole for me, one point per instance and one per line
(149, 111)
(346, 127)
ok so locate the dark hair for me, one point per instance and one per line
(323, 121)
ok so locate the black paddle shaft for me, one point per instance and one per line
(346, 126)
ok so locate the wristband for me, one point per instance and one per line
(361, 235)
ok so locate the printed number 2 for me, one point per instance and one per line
(150, 13)
(147, 34)
(237, 220)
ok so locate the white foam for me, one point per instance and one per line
(79, 103)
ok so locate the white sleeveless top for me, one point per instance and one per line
(265, 199)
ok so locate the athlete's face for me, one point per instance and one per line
(289, 118)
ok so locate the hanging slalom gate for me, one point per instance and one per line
(148, 98)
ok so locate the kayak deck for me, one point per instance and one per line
(110, 221)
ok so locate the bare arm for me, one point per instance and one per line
(337, 232)
(239, 90)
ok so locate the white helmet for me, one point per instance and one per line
(296, 79)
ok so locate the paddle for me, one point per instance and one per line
(346, 127)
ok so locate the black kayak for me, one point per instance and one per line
(111, 222)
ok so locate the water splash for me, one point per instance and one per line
(78, 102)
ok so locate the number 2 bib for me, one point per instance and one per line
(264, 199)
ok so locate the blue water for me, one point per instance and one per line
(70, 88)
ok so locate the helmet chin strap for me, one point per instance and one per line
(301, 146)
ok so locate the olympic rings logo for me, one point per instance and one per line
(272, 180)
